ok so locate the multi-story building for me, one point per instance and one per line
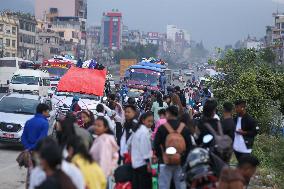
(59, 11)
(93, 40)
(26, 35)
(8, 35)
(275, 36)
(47, 43)
(48, 9)
(68, 29)
(111, 36)
(177, 35)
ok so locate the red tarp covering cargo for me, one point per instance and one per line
(83, 80)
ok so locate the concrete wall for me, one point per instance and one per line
(65, 7)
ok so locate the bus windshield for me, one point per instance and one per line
(153, 80)
(56, 71)
(8, 63)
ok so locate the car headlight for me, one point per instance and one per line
(36, 92)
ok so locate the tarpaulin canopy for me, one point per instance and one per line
(83, 80)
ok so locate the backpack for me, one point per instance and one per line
(176, 140)
(223, 143)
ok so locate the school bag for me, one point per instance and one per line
(223, 143)
(175, 140)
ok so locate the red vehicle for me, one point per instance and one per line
(56, 68)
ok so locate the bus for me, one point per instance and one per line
(8, 66)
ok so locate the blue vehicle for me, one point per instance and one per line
(154, 76)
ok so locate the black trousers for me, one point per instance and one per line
(239, 155)
(141, 178)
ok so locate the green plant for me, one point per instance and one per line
(270, 151)
(247, 75)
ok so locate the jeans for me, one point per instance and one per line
(169, 172)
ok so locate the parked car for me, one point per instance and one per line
(15, 110)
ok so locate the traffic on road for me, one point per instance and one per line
(153, 128)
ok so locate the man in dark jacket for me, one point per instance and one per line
(228, 123)
(181, 96)
(168, 172)
(245, 132)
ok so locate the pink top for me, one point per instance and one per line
(105, 152)
(157, 125)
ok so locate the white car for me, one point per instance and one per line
(63, 100)
(15, 110)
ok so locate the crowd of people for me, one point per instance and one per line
(156, 145)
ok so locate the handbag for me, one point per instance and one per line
(24, 159)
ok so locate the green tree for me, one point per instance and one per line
(247, 75)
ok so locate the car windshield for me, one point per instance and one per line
(30, 80)
(82, 96)
(18, 105)
(148, 78)
(56, 71)
(134, 94)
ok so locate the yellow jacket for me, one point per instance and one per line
(92, 173)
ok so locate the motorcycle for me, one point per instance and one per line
(202, 167)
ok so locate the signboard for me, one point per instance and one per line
(125, 64)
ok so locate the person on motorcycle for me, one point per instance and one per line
(75, 107)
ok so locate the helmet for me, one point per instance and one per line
(198, 156)
(75, 98)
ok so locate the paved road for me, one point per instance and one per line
(11, 176)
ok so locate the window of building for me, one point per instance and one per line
(53, 50)
(14, 30)
(22, 25)
(74, 34)
(47, 40)
(61, 34)
(14, 43)
(7, 54)
(1, 27)
(7, 42)
(13, 55)
(8, 31)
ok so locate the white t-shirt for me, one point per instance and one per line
(140, 147)
(38, 175)
(239, 142)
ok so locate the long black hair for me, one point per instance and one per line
(79, 147)
(105, 122)
(91, 116)
(144, 116)
(159, 97)
(67, 129)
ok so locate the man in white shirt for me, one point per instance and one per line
(246, 130)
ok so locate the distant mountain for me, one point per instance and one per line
(17, 5)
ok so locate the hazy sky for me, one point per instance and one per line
(216, 22)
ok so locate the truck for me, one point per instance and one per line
(57, 67)
(152, 74)
(125, 64)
